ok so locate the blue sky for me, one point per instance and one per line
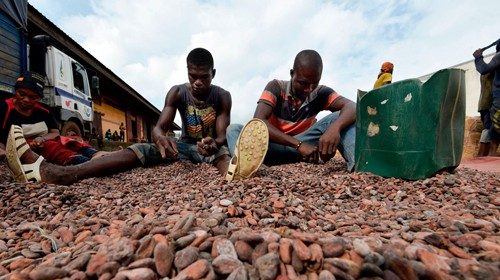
(146, 42)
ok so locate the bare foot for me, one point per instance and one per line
(222, 163)
(28, 157)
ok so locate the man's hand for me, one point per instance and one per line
(167, 146)
(309, 153)
(478, 53)
(207, 146)
(328, 143)
(37, 142)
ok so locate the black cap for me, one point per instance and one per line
(31, 80)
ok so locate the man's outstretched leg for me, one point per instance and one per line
(66, 175)
(22, 159)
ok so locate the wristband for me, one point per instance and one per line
(298, 145)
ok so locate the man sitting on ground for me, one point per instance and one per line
(205, 113)
(289, 109)
(39, 125)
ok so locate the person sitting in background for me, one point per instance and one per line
(39, 125)
(100, 143)
(385, 75)
(115, 136)
(108, 135)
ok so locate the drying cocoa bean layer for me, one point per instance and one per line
(298, 221)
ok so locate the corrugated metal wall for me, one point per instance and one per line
(12, 53)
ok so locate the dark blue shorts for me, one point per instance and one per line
(84, 156)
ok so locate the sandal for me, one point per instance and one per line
(250, 151)
(16, 147)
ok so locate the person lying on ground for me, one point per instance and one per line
(39, 125)
(205, 113)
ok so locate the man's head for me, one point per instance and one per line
(31, 81)
(387, 67)
(200, 64)
(306, 72)
(29, 90)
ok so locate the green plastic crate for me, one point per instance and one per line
(410, 129)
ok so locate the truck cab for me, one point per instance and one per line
(68, 92)
(68, 89)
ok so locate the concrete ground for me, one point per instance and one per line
(488, 164)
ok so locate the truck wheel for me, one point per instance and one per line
(71, 129)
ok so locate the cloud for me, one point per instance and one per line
(146, 42)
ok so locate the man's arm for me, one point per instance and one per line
(38, 141)
(53, 133)
(329, 141)
(483, 67)
(223, 119)
(347, 115)
(209, 146)
(264, 111)
(167, 145)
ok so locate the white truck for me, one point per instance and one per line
(68, 92)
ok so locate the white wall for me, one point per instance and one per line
(472, 84)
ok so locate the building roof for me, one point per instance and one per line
(60, 36)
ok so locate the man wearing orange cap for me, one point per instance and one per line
(385, 75)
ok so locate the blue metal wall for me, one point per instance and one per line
(13, 53)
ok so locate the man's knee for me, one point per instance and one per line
(146, 153)
(330, 118)
(234, 128)
(232, 133)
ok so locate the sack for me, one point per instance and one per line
(410, 129)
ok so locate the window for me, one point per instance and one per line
(78, 79)
(134, 131)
